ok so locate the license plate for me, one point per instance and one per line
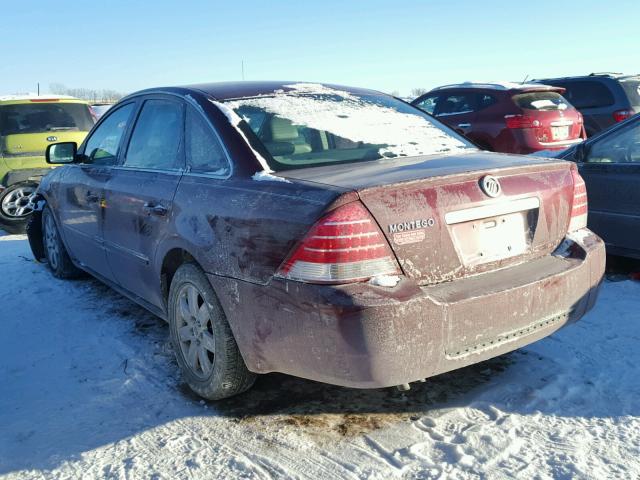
(560, 133)
(490, 239)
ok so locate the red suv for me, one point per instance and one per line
(507, 117)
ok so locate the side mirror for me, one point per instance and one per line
(61, 153)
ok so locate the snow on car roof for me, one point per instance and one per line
(35, 96)
(503, 86)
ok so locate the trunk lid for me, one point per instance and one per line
(442, 225)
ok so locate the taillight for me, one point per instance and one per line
(521, 121)
(346, 245)
(620, 115)
(579, 203)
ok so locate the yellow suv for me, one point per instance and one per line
(27, 125)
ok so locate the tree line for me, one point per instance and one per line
(90, 94)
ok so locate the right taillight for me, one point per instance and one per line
(346, 245)
(620, 115)
(579, 203)
(521, 121)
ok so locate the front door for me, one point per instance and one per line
(140, 195)
(611, 171)
(83, 190)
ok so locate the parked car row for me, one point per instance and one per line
(507, 117)
(328, 232)
(547, 114)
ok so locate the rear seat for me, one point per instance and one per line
(286, 138)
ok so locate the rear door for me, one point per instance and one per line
(81, 202)
(611, 171)
(139, 196)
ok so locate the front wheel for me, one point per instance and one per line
(202, 339)
(16, 205)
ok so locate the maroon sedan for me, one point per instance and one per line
(327, 232)
(507, 117)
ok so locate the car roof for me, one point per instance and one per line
(32, 97)
(500, 86)
(241, 89)
(597, 75)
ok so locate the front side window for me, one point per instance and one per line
(311, 125)
(204, 151)
(156, 138)
(454, 105)
(428, 104)
(102, 146)
(619, 147)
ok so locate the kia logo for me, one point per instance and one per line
(52, 139)
(491, 186)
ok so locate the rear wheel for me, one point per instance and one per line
(16, 205)
(202, 339)
(55, 252)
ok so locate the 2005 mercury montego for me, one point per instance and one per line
(332, 233)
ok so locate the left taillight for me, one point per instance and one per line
(344, 246)
(579, 205)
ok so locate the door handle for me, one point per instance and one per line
(464, 125)
(91, 197)
(155, 209)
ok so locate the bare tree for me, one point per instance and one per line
(416, 92)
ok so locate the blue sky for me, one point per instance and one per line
(393, 45)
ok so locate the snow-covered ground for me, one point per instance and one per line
(89, 388)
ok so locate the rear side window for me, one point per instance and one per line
(102, 146)
(428, 104)
(44, 117)
(541, 101)
(455, 104)
(157, 135)
(485, 100)
(204, 151)
(632, 90)
(588, 94)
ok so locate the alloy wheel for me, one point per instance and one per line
(18, 203)
(195, 331)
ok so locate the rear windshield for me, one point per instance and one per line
(313, 125)
(632, 89)
(44, 117)
(541, 101)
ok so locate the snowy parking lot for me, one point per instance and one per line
(89, 387)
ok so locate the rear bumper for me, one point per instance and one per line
(527, 142)
(366, 336)
(33, 175)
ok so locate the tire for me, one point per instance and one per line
(58, 259)
(16, 206)
(202, 340)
